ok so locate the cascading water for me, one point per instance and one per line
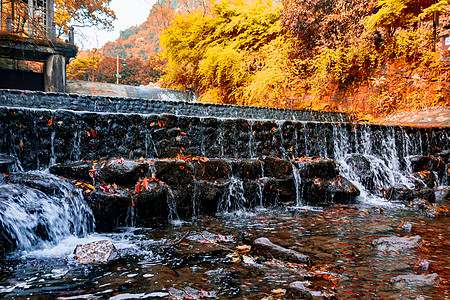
(298, 185)
(32, 218)
(234, 199)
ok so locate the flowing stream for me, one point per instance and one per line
(190, 259)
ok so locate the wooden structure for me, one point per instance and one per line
(27, 33)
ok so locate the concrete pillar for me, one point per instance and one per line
(30, 18)
(49, 15)
(55, 74)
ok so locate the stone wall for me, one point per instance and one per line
(40, 138)
(15, 98)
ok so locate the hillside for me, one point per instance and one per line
(143, 41)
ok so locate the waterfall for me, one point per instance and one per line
(34, 217)
(298, 185)
(52, 149)
(251, 141)
(233, 199)
(373, 164)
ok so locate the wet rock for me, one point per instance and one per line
(444, 155)
(7, 163)
(420, 204)
(443, 194)
(96, 252)
(210, 169)
(208, 195)
(428, 163)
(247, 168)
(297, 290)
(406, 195)
(317, 167)
(178, 175)
(110, 211)
(191, 293)
(264, 247)
(362, 168)
(341, 190)
(196, 244)
(77, 170)
(395, 243)
(39, 180)
(413, 280)
(337, 190)
(151, 206)
(120, 171)
(425, 179)
(275, 167)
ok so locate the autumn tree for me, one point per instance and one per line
(211, 54)
(325, 22)
(405, 14)
(91, 66)
(84, 66)
(83, 13)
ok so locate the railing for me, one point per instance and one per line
(30, 18)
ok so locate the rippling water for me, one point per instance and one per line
(338, 238)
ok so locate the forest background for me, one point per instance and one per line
(369, 58)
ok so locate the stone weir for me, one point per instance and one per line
(143, 169)
(75, 102)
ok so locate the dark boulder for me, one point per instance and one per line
(406, 195)
(424, 179)
(77, 170)
(444, 155)
(336, 190)
(120, 171)
(152, 205)
(362, 168)
(428, 163)
(316, 167)
(179, 176)
(210, 169)
(110, 210)
(208, 195)
(247, 168)
(264, 247)
(39, 180)
(7, 163)
(275, 167)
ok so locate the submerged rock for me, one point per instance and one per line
(264, 247)
(414, 280)
(297, 290)
(96, 252)
(396, 243)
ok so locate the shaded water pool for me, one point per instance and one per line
(180, 261)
